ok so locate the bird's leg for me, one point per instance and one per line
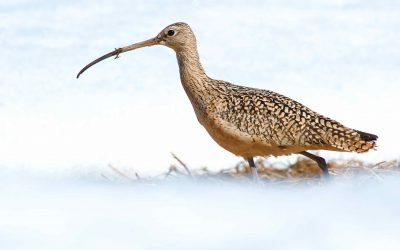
(253, 169)
(320, 161)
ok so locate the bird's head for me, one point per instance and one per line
(177, 36)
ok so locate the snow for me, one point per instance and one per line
(48, 212)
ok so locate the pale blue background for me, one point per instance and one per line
(340, 58)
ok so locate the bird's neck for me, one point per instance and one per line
(193, 77)
(190, 67)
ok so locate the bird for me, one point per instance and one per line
(251, 122)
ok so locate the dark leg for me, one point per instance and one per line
(320, 161)
(253, 169)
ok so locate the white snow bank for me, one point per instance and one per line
(44, 213)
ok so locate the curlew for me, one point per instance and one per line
(250, 122)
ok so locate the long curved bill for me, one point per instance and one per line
(118, 51)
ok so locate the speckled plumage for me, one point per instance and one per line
(254, 122)
(248, 121)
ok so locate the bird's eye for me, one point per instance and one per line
(171, 32)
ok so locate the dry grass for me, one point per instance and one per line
(302, 171)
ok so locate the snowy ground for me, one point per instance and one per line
(43, 212)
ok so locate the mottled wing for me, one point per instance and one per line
(279, 120)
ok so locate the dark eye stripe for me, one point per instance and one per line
(170, 33)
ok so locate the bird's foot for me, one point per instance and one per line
(254, 175)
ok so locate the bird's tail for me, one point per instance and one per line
(363, 142)
(346, 139)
